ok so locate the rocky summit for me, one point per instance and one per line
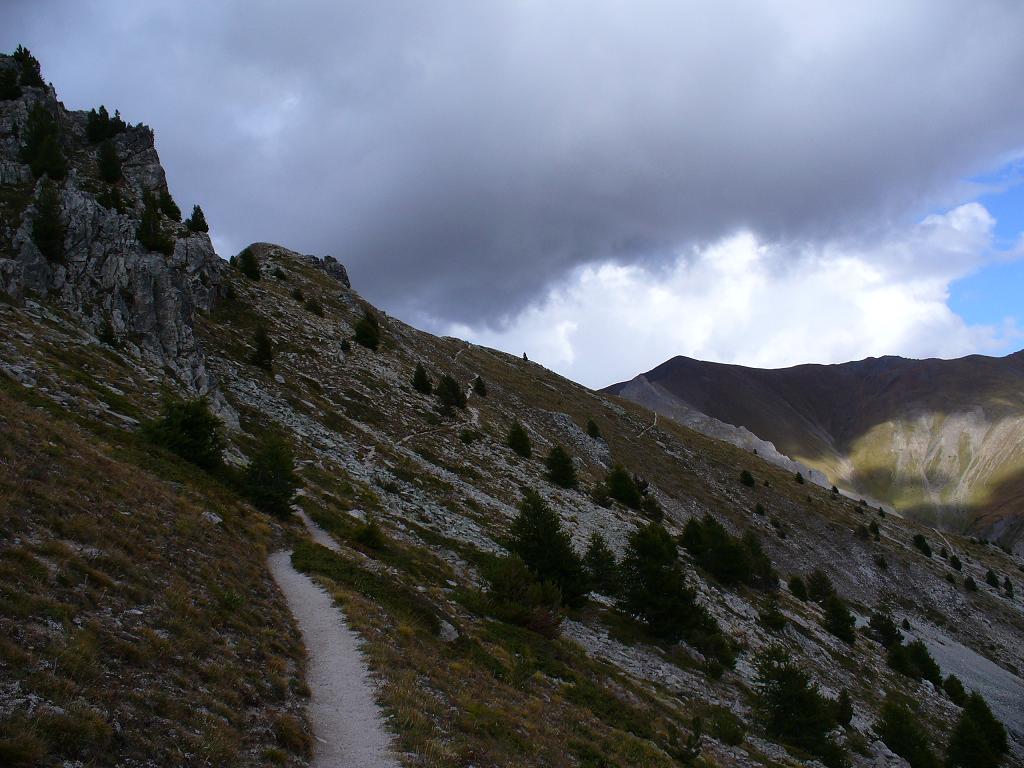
(539, 574)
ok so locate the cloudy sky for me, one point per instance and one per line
(600, 184)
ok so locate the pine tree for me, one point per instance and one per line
(270, 480)
(561, 471)
(150, 231)
(979, 740)
(593, 430)
(899, 729)
(248, 265)
(991, 579)
(622, 488)
(798, 588)
(955, 690)
(844, 708)
(168, 207)
(367, 330)
(421, 381)
(819, 586)
(190, 430)
(31, 72)
(838, 619)
(450, 393)
(601, 566)
(479, 387)
(197, 221)
(48, 226)
(42, 149)
(9, 89)
(539, 538)
(519, 441)
(263, 354)
(109, 162)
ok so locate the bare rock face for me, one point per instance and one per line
(106, 279)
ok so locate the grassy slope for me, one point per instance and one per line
(134, 628)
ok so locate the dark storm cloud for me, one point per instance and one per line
(461, 156)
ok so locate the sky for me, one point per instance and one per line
(600, 184)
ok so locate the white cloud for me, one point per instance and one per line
(731, 302)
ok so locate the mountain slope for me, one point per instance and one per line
(420, 500)
(940, 439)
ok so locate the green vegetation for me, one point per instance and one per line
(479, 386)
(189, 429)
(31, 75)
(197, 221)
(42, 150)
(979, 739)
(898, 727)
(922, 545)
(955, 690)
(263, 349)
(798, 588)
(151, 232)
(450, 393)
(838, 620)
(731, 560)
(747, 479)
(560, 468)
(844, 708)
(914, 661)
(109, 163)
(9, 88)
(367, 330)
(593, 430)
(621, 486)
(421, 381)
(538, 537)
(819, 586)
(270, 481)
(516, 596)
(168, 207)
(248, 265)
(48, 225)
(519, 441)
(601, 567)
(100, 126)
(793, 710)
(991, 579)
(885, 628)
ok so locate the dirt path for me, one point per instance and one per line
(347, 723)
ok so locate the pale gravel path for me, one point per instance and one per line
(347, 723)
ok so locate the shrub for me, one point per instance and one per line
(150, 231)
(515, 596)
(979, 739)
(31, 75)
(519, 441)
(969, 584)
(844, 708)
(772, 618)
(560, 468)
(798, 588)
(914, 661)
(270, 481)
(838, 620)
(747, 479)
(47, 225)
(100, 126)
(538, 537)
(898, 727)
(922, 545)
(479, 386)
(9, 89)
(593, 430)
(314, 307)
(263, 352)
(421, 381)
(885, 628)
(197, 221)
(367, 330)
(955, 690)
(991, 579)
(1008, 586)
(189, 429)
(654, 590)
(622, 488)
(248, 265)
(792, 709)
(168, 207)
(601, 567)
(109, 163)
(874, 530)
(799, 478)
(731, 560)
(42, 149)
(450, 393)
(954, 562)
(819, 586)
